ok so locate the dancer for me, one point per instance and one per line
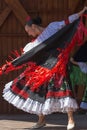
(51, 96)
(79, 72)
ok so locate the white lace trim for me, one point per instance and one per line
(49, 106)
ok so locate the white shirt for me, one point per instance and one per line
(50, 30)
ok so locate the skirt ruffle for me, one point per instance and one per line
(49, 106)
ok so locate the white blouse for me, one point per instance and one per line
(50, 30)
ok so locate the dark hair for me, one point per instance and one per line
(36, 21)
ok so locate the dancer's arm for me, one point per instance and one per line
(75, 16)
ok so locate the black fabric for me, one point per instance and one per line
(46, 53)
(81, 54)
(41, 93)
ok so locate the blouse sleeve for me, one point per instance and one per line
(28, 47)
(73, 17)
(83, 67)
(57, 25)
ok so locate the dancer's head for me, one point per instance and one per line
(33, 26)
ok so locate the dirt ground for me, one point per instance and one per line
(56, 121)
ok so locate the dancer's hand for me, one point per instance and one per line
(71, 59)
(82, 11)
(85, 8)
(4, 67)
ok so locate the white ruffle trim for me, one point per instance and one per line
(49, 106)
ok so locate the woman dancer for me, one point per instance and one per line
(49, 97)
(79, 72)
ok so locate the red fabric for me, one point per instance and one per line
(28, 18)
(66, 21)
(21, 93)
(38, 75)
(59, 94)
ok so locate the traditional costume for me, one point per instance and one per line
(79, 73)
(44, 86)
